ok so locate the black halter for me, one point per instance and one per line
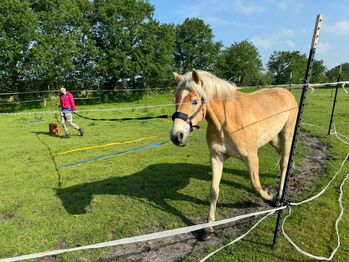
(187, 118)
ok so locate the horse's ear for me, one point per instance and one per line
(195, 75)
(177, 77)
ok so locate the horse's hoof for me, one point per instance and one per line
(204, 234)
(276, 203)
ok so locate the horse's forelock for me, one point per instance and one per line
(189, 84)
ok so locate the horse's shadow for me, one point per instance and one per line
(156, 184)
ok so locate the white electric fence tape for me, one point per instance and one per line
(147, 237)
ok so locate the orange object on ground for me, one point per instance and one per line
(54, 129)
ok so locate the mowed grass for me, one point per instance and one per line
(43, 207)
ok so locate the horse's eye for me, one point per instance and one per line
(195, 102)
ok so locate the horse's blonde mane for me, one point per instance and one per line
(212, 87)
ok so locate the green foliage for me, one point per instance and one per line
(333, 73)
(194, 47)
(240, 63)
(18, 25)
(156, 54)
(82, 44)
(63, 49)
(318, 73)
(131, 44)
(282, 64)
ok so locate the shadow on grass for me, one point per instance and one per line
(44, 133)
(154, 185)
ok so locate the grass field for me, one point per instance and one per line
(43, 207)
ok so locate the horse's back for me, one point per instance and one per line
(267, 112)
(277, 94)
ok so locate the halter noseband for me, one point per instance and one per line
(187, 118)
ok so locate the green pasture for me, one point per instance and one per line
(44, 207)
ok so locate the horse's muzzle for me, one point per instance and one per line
(179, 139)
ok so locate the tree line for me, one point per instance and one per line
(111, 44)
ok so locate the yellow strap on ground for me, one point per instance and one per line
(105, 145)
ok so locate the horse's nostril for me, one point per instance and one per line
(181, 135)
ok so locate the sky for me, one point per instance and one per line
(281, 25)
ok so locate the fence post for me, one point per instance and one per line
(99, 94)
(290, 84)
(298, 122)
(335, 98)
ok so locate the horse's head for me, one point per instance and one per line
(190, 107)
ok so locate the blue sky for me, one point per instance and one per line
(269, 24)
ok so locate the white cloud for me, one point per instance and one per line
(323, 47)
(247, 8)
(221, 7)
(283, 38)
(339, 28)
(222, 12)
(263, 42)
(286, 33)
(294, 6)
(213, 20)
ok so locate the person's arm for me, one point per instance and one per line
(72, 102)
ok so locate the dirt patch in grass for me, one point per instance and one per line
(181, 246)
(7, 217)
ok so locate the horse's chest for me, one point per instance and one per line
(228, 149)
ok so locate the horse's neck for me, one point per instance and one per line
(212, 118)
(218, 111)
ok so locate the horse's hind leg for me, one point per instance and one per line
(253, 167)
(275, 142)
(286, 136)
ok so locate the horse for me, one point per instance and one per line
(238, 125)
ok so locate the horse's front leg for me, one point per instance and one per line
(217, 169)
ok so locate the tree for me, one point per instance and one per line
(82, 43)
(156, 53)
(332, 74)
(282, 63)
(318, 73)
(18, 24)
(63, 49)
(194, 46)
(241, 63)
(120, 30)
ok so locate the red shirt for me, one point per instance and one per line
(67, 101)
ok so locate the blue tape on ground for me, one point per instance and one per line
(114, 153)
(32, 122)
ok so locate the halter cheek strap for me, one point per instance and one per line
(185, 117)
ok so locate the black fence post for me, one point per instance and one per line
(298, 122)
(335, 98)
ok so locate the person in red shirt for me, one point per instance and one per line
(67, 105)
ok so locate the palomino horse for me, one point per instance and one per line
(238, 125)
